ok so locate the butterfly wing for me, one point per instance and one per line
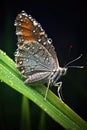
(32, 58)
(28, 29)
(35, 57)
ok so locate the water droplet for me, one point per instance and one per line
(20, 16)
(45, 109)
(49, 40)
(35, 23)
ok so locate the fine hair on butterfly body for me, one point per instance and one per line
(35, 57)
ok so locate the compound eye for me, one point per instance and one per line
(64, 71)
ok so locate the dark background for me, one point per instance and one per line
(65, 22)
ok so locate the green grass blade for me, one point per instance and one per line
(56, 109)
(25, 115)
(42, 121)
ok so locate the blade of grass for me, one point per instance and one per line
(8, 63)
(56, 109)
(25, 115)
(42, 121)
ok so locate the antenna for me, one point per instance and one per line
(67, 65)
(81, 67)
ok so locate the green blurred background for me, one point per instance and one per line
(65, 23)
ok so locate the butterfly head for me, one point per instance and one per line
(58, 73)
(63, 71)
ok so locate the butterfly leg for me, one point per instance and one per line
(59, 91)
(47, 90)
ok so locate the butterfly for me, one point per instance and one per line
(35, 57)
